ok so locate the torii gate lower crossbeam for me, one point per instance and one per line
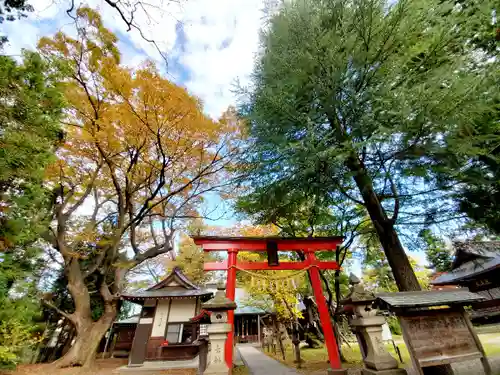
(273, 244)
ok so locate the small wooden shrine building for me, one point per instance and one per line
(476, 266)
(120, 337)
(168, 328)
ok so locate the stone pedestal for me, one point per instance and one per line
(367, 326)
(217, 334)
(218, 362)
(369, 330)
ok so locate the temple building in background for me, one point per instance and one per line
(476, 266)
(171, 325)
(166, 329)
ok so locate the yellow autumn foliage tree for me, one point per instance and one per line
(138, 157)
(275, 291)
(191, 259)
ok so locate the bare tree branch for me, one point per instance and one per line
(70, 317)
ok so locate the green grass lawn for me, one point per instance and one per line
(240, 370)
(316, 359)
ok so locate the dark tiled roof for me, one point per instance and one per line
(487, 249)
(175, 275)
(183, 288)
(486, 258)
(428, 298)
(167, 293)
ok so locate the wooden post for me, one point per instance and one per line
(324, 314)
(258, 328)
(230, 293)
(108, 340)
(484, 359)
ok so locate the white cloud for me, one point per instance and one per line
(208, 25)
(214, 69)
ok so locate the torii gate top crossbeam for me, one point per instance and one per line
(218, 243)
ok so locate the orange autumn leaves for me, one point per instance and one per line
(133, 133)
(137, 147)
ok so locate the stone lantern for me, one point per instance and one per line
(367, 326)
(218, 330)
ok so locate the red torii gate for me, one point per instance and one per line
(272, 245)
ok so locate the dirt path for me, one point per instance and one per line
(103, 367)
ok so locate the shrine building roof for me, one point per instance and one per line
(472, 259)
(175, 285)
(427, 298)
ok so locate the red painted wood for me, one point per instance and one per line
(230, 293)
(253, 244)
(254, 266)
(328, 265)
(324, 315)
(215, 266)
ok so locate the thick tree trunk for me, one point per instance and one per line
(88, 333)
(394, 251)
(88, 336)
(277, 335)
(402, 270)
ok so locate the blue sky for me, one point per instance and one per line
(209, 43)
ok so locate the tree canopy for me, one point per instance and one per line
(30, 110)
(365, 100)
(138, 158)
(438, 254)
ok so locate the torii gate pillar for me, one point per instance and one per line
(306, 245)
(232, 254)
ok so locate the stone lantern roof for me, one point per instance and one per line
(220, 302)
(358, 294)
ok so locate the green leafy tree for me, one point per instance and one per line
(474, 160)
(356, 98)
(30, 109)
(20, 316)
(438, 254)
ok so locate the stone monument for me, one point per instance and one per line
(367, 326)
(218, 330)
